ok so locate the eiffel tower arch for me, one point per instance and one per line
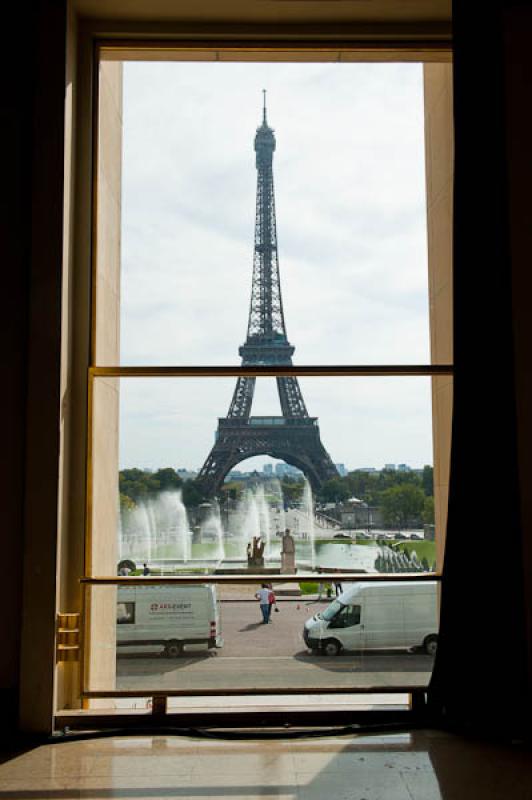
(293, 437)
(296, 441)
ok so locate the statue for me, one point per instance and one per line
(288, 553)
(255, 552)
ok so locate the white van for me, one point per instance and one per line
(366, 616)
(152, 617)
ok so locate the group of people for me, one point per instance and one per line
(267, 601)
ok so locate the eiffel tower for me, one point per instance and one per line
(293, 437)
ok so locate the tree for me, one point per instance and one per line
(191, 494)
(168, 479)
(335, 490)
(428, 511)
(403, 503)
(137, 484)
(292, 489)
(126, 503)
(427, 480)
(363, 485)
(231, 489)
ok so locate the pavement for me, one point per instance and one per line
(281, 673)
(255, 655)
(235, 591)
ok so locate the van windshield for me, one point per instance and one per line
(332, 610)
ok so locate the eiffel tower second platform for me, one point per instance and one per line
(295, 440)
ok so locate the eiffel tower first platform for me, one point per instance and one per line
(293, 437)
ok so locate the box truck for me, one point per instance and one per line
(399, 614)
(167, 618)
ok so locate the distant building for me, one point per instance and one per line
(186, 474)
(268, 469)
(342, 469)
(288, 471)
(390, 467)
(234, 475)
(403, 468)
(369, 470)
(360, 516)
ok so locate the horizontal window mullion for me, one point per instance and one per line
(322, 577)
(358, 370)
(247, 692)
(432, 42)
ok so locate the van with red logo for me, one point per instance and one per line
(167, 618)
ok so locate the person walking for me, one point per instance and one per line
(272, 600)
(263, 596)
(146, 570)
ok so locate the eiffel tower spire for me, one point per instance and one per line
(266, 341)
(266, 318)
(293, 437)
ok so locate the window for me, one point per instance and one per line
(125, 613)
(346, 617)
(171, 305)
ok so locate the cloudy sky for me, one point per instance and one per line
(350, 199)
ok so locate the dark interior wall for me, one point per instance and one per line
(15, 221)
(482, 678)
(517, 25)
(31, 233)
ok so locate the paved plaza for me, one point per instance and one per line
(271, 656)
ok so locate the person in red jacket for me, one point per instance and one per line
(272, 601)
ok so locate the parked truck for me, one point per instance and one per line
(167, 618)
(366, 616)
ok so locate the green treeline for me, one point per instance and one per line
(137, 485)
(401, 496)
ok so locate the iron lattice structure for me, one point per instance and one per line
(293, 437)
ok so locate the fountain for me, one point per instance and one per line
(263, 511)
(212, 528)
(307, 508)
(254, 520)
(156, 529)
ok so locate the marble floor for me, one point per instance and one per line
(427, 765)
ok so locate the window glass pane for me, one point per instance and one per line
(207, 638)
(350, 240)
(179, 485)
(125, 612)
(152, 515)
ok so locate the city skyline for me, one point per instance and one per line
(270, 465)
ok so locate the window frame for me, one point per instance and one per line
(91, 46)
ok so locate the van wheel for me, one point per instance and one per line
(431, 645)
(331, 647)
(173, 649)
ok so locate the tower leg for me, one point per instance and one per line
(242, 398)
